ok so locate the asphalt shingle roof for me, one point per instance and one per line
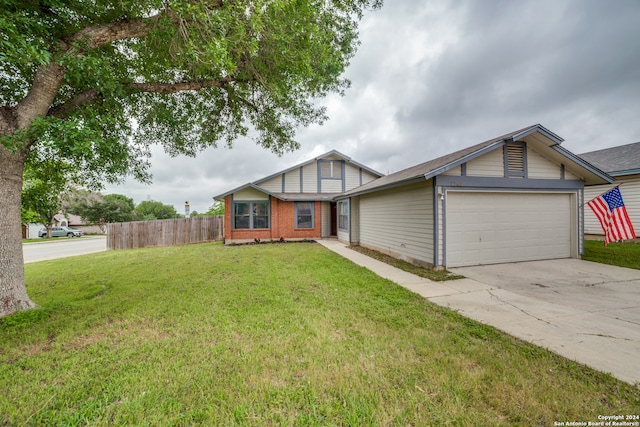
(430, 166)
(615, 159)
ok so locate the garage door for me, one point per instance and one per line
(490, 228)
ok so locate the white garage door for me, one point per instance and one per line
(490, 228)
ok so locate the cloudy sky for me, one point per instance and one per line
(435, 76)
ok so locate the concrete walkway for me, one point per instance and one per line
(609, 343)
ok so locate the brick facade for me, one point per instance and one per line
(282, 223)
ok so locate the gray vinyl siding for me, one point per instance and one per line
(490, 164)
(332, 186)
(457, 171)
(541, 167)
(630, 190)
(354, 220)
(310, 178)
(250, 194)
(326, 219)
(292, 181)
(399, 221)
(367, 177)
(569, 175)
(343, 235)
(352, 178)
(274, 185)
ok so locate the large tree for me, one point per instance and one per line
(96, 82)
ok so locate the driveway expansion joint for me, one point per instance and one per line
(518, 308)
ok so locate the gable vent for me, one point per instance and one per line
(515, 160)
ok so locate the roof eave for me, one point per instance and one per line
(221, 197)
(463, 159)
(583, 163)
(407, 181)
(624, 172)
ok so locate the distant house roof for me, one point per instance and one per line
(616, 161)
(442, 164)
(71, 219)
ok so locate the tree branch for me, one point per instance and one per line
(92, 95)
(169, 88)
(83, 98)
(100, 35)
(43, 90)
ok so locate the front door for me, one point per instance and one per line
(334, 218)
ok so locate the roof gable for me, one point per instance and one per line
(330, 155)
(545, 140)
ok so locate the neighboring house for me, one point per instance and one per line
(76, 222)
(60, 220)
(518, 197)
(622, 163)
(294, 204)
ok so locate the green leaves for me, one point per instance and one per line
(46, 182)
(245, 65)
(101, 209)
(151, 210)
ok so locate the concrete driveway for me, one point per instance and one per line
(585, 311)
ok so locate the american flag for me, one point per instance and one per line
(612, 214)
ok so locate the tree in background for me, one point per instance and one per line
(99, 209)
(44, 188)
(96, 84)
(149, 210)
(217, 208)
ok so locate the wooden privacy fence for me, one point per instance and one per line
(168, 232)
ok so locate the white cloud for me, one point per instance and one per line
(433, 77)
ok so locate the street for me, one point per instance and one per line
(63, 247)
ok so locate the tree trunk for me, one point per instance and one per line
(13, 292)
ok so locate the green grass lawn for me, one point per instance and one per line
(288, 334)
(427, 273)
(626, 254)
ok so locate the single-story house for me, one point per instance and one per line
(75, 222)
(294, 204)
(622, 163)
(517, 197)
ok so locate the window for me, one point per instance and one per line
(330, 169)
(343, 215)
(304, 214)
(250, 215)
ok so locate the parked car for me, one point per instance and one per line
(60, 232)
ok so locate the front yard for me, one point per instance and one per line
(625, 254)
(288, 334)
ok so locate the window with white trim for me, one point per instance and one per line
(250, 215)
(330, 169)
(343, 215)
(304, 214)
